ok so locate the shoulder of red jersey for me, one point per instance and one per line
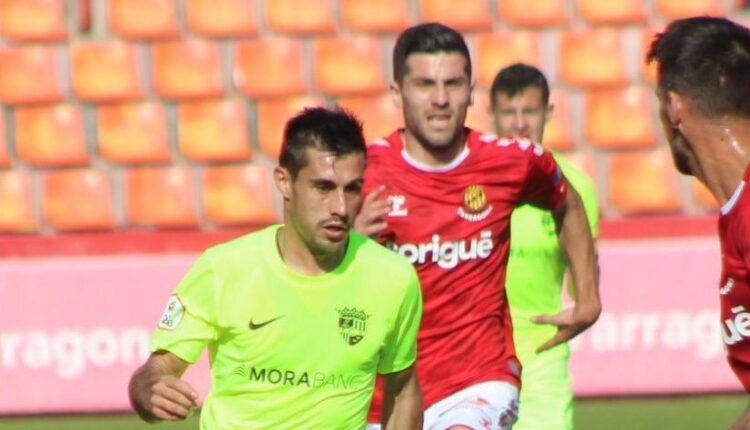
(385, 147)
(501, 144)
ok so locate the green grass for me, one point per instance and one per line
(644, 413)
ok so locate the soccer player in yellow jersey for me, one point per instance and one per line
(297, 318)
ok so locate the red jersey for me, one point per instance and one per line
(734, 291)
(453, 223)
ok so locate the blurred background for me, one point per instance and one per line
(134, 133)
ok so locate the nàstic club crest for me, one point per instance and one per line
(475, 206)
(352, 324)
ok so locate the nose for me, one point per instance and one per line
(520, 123)
(337, 203)
(440, 96)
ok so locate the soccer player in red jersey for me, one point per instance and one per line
(441, 195)
(704, 105)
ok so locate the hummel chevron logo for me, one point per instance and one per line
(254, 326)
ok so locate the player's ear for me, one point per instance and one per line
(283, 180)
(675, 108)
(471, 93)
(548, 112)
(395, 90)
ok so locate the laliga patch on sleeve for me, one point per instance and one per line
(172, 314)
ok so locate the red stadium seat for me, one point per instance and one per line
(557, 133)
(16, 200)
(348, 65)
(612, 12)
(133, 133)
(51, 136)
(675, 9)
(468, 15)
(222, 18)
(643, 182)
(28, 74)
(160, 196)
(269, 67)
(235, 195)
(378, 113)
(213, 130)
(77, 200)
(620, 118)
(300, 16)
(105, 71)
(375, 15)
(272, 117)
(593, 58)
(38, 20)
(498, 50)
(533, 13)
(703, 196)
(4, 157)
(187, 69)
(143, 19)
(478, 116)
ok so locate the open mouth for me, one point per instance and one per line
(335, 232)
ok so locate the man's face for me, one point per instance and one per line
(434, 95)
(324, 198)
(682, 154)
(523, 115)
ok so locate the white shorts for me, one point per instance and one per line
(491, 405)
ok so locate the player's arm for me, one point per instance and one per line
(156, 391)
(402, 401)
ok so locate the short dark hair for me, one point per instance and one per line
(331, 130)
(427, 38)
(516, 78)
(707, 60)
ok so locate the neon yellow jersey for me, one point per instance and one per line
(289, 351)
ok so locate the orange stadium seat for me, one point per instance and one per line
(4, 157)
(478, 116)
(235, 195)
(272, 117)
(51, 135)
(221, 18)
(38, 20)
(533, 13)
(648, 71)
(105, 71)
(703, 196)
(584, 162)
(675, 9)
(557, 133)
(612, 12)
(643, 182)
(620, 118)
(78, 199)
(375, 15)
(300, 16)
(466, 15)
(28, 74)
(160, 196)
(187, 69)
(378, 113)
(351, 65)
(593, 58)
(269, 67)
(213, 130)
(498, 50)
(133, 133)
(16, 200)
(143, 19)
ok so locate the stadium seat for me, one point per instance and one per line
(133, 133)
(213, 130)
(143, 19)
(269, 67)
(160, 196)
(648, 71)
(28, 74)
(584, 162)
(187, 69)
(533, 13)
(378, 113)
(16, 200)
(221, 18)
(4, 156)
(478, 116)
(620, 118)
(300, 16)
(612, 12)
(498, 50)
(557, 133)
(703, 197)
(77, 200)
(468, 15)
(643, 182)
(675, 9)
(375, 15)
(105, 71)
(38, 20)
(593, 58)
(272, 117)
(51, 136)
(351, 65)
(235, 195)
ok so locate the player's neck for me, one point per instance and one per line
(430, 155)
(725, 159)
(300, 258)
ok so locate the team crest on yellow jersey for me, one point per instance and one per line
(475, 206)
(352, 324)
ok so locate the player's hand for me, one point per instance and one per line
(172, 399)
(371, 218)
(569, 322)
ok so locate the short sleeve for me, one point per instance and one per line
(544, 185)
(187, 324)
(400, 350)
(584, 186)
